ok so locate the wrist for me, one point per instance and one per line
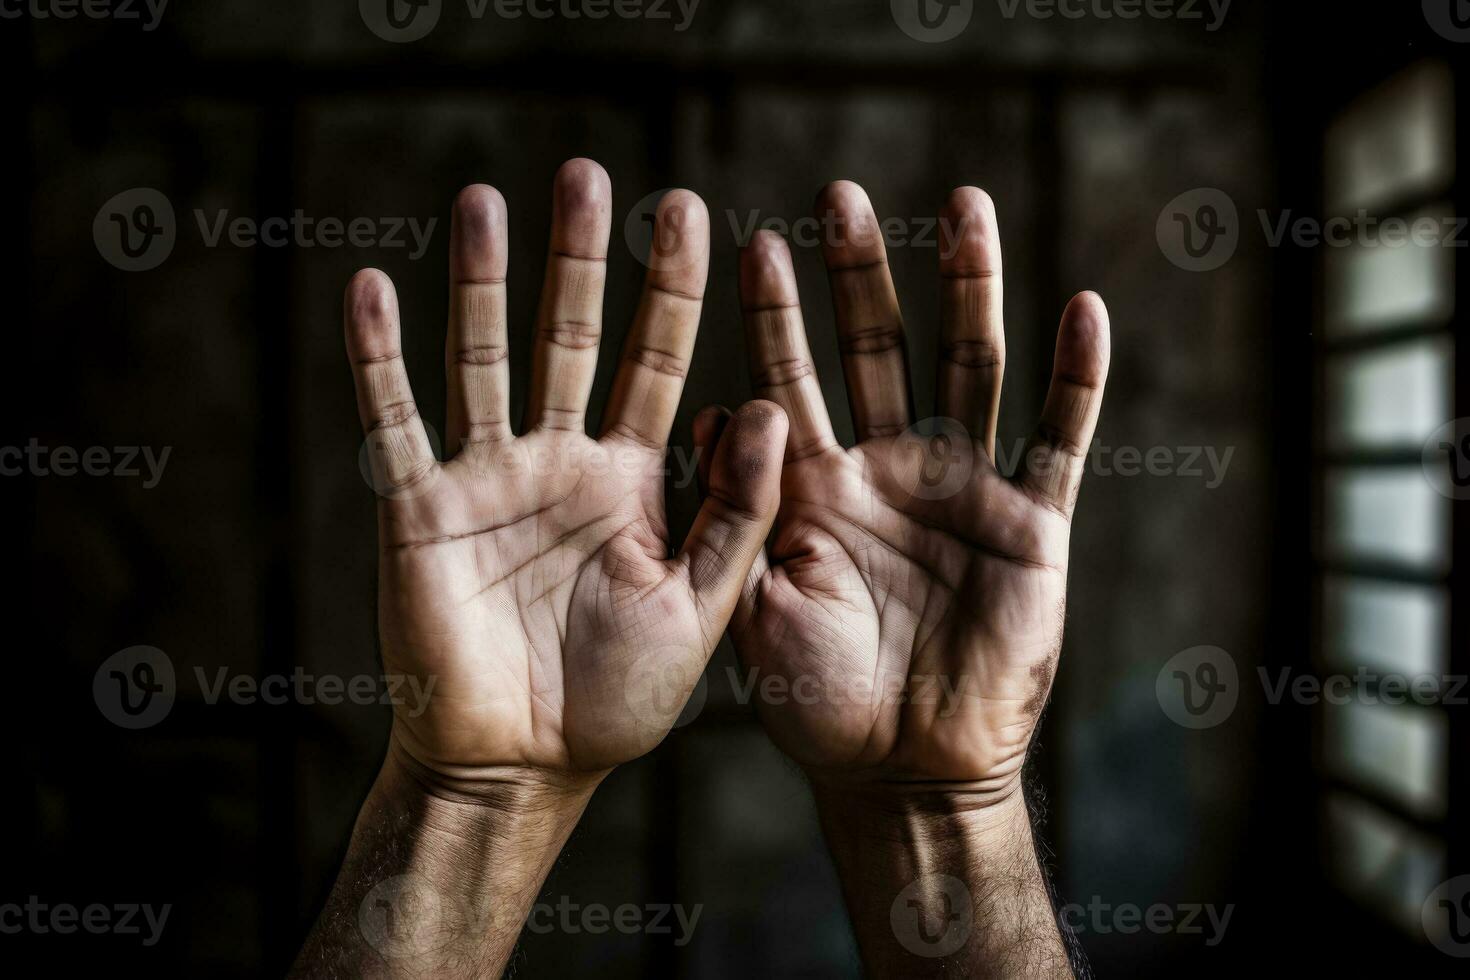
(935, 825)
(509, 792)
(973, 808)
(441, 871)
(941, 880)
(512, 822)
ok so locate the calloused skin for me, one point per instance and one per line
(915, 592)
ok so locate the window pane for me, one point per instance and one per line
(1396, 749)
(1388, 514)
(1384, 862)
(1394, 143)
(1386, 625)
(1394, 276)
(1391, 398)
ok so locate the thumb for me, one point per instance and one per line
(742, 494)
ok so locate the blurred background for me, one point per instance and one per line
(1272, 501)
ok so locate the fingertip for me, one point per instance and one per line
(679, 253)
(477, 242)
(684, 209)
(370, 302)
(767, 276)
(581, 181)
(969, 233)
(764, 415)
(850, 226)
(1088, 316)
(767, 242)
(1084, 343)
(753, 446)
(843, 196)
(582, 209)
(972, 200)
(480, 208)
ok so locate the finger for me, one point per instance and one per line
(398, 446)
(869, 325)
(709, 425)
(729, 535)
(1057, 452)
(650, 379)
(972, 342)
(781, 366)
(569, 324)
(475, 354)
(709, 428)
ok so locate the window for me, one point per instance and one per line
(1386, 350)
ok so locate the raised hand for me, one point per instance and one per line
(907, 565)
(527, 582)
(531, 576)
(911, 603)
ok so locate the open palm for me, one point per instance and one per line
(912, 598)
(530, 578)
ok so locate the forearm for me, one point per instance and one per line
(938, 885)
(438, 880)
